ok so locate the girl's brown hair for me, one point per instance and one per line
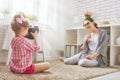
(16, 26)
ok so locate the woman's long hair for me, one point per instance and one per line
(91, 20)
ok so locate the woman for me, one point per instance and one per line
(94, 47)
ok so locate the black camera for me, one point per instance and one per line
(32, 29)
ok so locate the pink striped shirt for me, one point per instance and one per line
(22, 50)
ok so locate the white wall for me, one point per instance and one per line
(102, 9)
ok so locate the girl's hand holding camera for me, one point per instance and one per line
(34, 36)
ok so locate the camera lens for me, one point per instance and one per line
(32, 29)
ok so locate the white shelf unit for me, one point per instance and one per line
(71, 41)
(115, 49)
(74, 36)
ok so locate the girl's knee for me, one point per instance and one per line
(47, 64)
(42, 67)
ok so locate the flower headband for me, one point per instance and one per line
(20, 19)
(88, 14)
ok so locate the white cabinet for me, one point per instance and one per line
(115, 49)
(74, 36)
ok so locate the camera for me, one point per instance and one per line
(32, 29)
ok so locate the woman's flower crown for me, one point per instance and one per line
(88, 14)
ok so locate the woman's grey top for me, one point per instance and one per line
(101, 48)
(92, 44)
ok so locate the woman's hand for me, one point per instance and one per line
(87, 37)
(90, 57)
(93, 56)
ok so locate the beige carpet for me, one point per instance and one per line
(58, 71)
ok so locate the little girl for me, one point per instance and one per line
(22, 48)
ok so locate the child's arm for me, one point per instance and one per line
(35, 37)
(30, 46)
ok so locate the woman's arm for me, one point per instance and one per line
(90, 57)
(103, 43)
(83, 46)
(87, 37)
